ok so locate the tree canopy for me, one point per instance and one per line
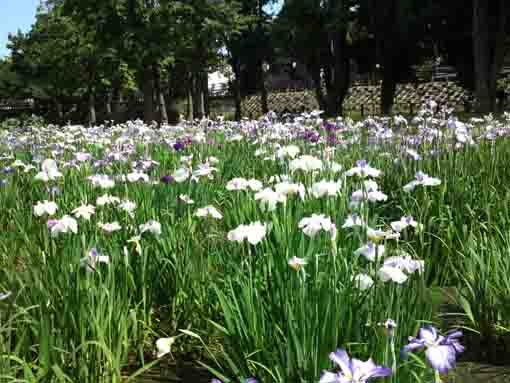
(91, 57)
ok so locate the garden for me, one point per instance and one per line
(303, 249)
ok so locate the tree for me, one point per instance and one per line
(208, 27)
(317, 33)
(248, 49)
(447, 27)
(47, 57)
(12, 85)
(490, 26)
(396, 27)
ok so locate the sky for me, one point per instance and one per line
(14, 15)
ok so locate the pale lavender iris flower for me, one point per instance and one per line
(441, 351)
(353, 370)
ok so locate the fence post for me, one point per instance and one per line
(411, 112)
(362, 110)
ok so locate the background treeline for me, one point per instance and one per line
(99, 59)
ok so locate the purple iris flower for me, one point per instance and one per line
(179, 145)
(420, 176)
(167, 179)
(361, 163)
(329, 127)
(8, 170)
(248, 380)
(353, 370)
(441, 351)
(51, 223)
(311, 136)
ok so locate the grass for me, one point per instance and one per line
(237, 307)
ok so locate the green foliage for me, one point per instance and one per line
(249, 312)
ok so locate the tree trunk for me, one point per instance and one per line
(118, 100)
(261, 54)
(499, 40)
(384, 22)
(317, 84)
(163, 115)
(173, 112)
(92, 108)
(388, 87)
(108, 105)
(481, 53)
(148, 95)
(237, 89)
(205, 93)
(189, 103)
(197, 96)
(489, 45)
(60, 110)
(338, 76)
(263, 90)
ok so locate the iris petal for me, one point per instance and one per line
(441, 358)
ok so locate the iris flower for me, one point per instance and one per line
(370, 251)
(181, 175)
(93, 258)
(363, 170)
(84, 211)
(208, 211)
(164, 346)
(269, 199)
(237, 184)
(363, 281)
(404, 222)
(390, 273)
(64, 225)
(107, 199)
(167, 179)
(422, 179)
(353, 370)
(326, 189)
(45, 207)
(305, 163)
(136, 176)
(254, 233)
(441, 351)
(297, 263)
(186, 199)
(405, 263)
(151, 226)
(290, 151)
(312, 225)
(377, 235)
(353, 220)
(110, 227)
(49, 171)
(127, 206)
(102, 180)
(286, 188)
(204, 170)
